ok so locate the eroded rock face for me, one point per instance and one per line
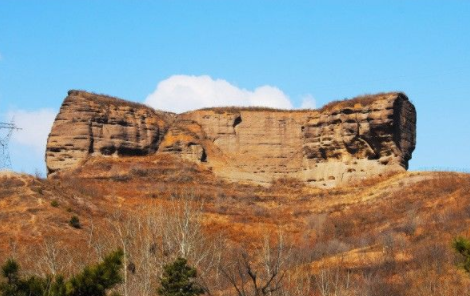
(348, 143)
(246, 145)
(93, 125)
(342, 142)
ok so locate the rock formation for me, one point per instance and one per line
(342, 142)
(95, 125)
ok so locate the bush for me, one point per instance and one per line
(75, 222)
(55, 203)
(178, 280)
(94, 280)
(462, 246)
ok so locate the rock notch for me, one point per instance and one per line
(342, 142)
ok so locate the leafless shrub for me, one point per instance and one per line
(157, 236)
(259, 272)
(363, 100)
(316, 222)
(333, 282)
(411, 222)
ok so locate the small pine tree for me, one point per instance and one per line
(34, 286)
(10, 273)
(96, 280)
(75, 222)
(462, 246)
(57, 287)
(178, 280)
(14, 286)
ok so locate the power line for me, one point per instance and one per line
(5, 161)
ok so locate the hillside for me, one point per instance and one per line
(389, 235)
(261, 201)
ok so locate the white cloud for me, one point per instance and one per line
(35, 127)
(308, 102)
(180, 93)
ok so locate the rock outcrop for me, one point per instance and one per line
(342, 142)
(96, 125)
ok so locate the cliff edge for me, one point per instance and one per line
(342, 142)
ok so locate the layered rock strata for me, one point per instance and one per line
(94, 125)
(343, 142)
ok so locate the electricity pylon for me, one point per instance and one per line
(5, 161)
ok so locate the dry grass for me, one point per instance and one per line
(362, 100)
(110, 100)
(236, 109)
(391, 234)
(106, 99)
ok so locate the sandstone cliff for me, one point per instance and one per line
(343, 142)
(95, 125)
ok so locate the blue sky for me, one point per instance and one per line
(319, 50)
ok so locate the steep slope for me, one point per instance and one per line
(345, 142)
(396, 229)
(96, 125)
(341, 143)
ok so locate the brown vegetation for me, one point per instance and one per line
(385, 236)
(363, 100)
(103, 98)
(110, 100)
(234, 109)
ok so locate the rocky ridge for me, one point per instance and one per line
(95, 125)
(340, 143)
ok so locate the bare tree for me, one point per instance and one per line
(261, 274)
(331, 281)
(51, 258)
(155, 235)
